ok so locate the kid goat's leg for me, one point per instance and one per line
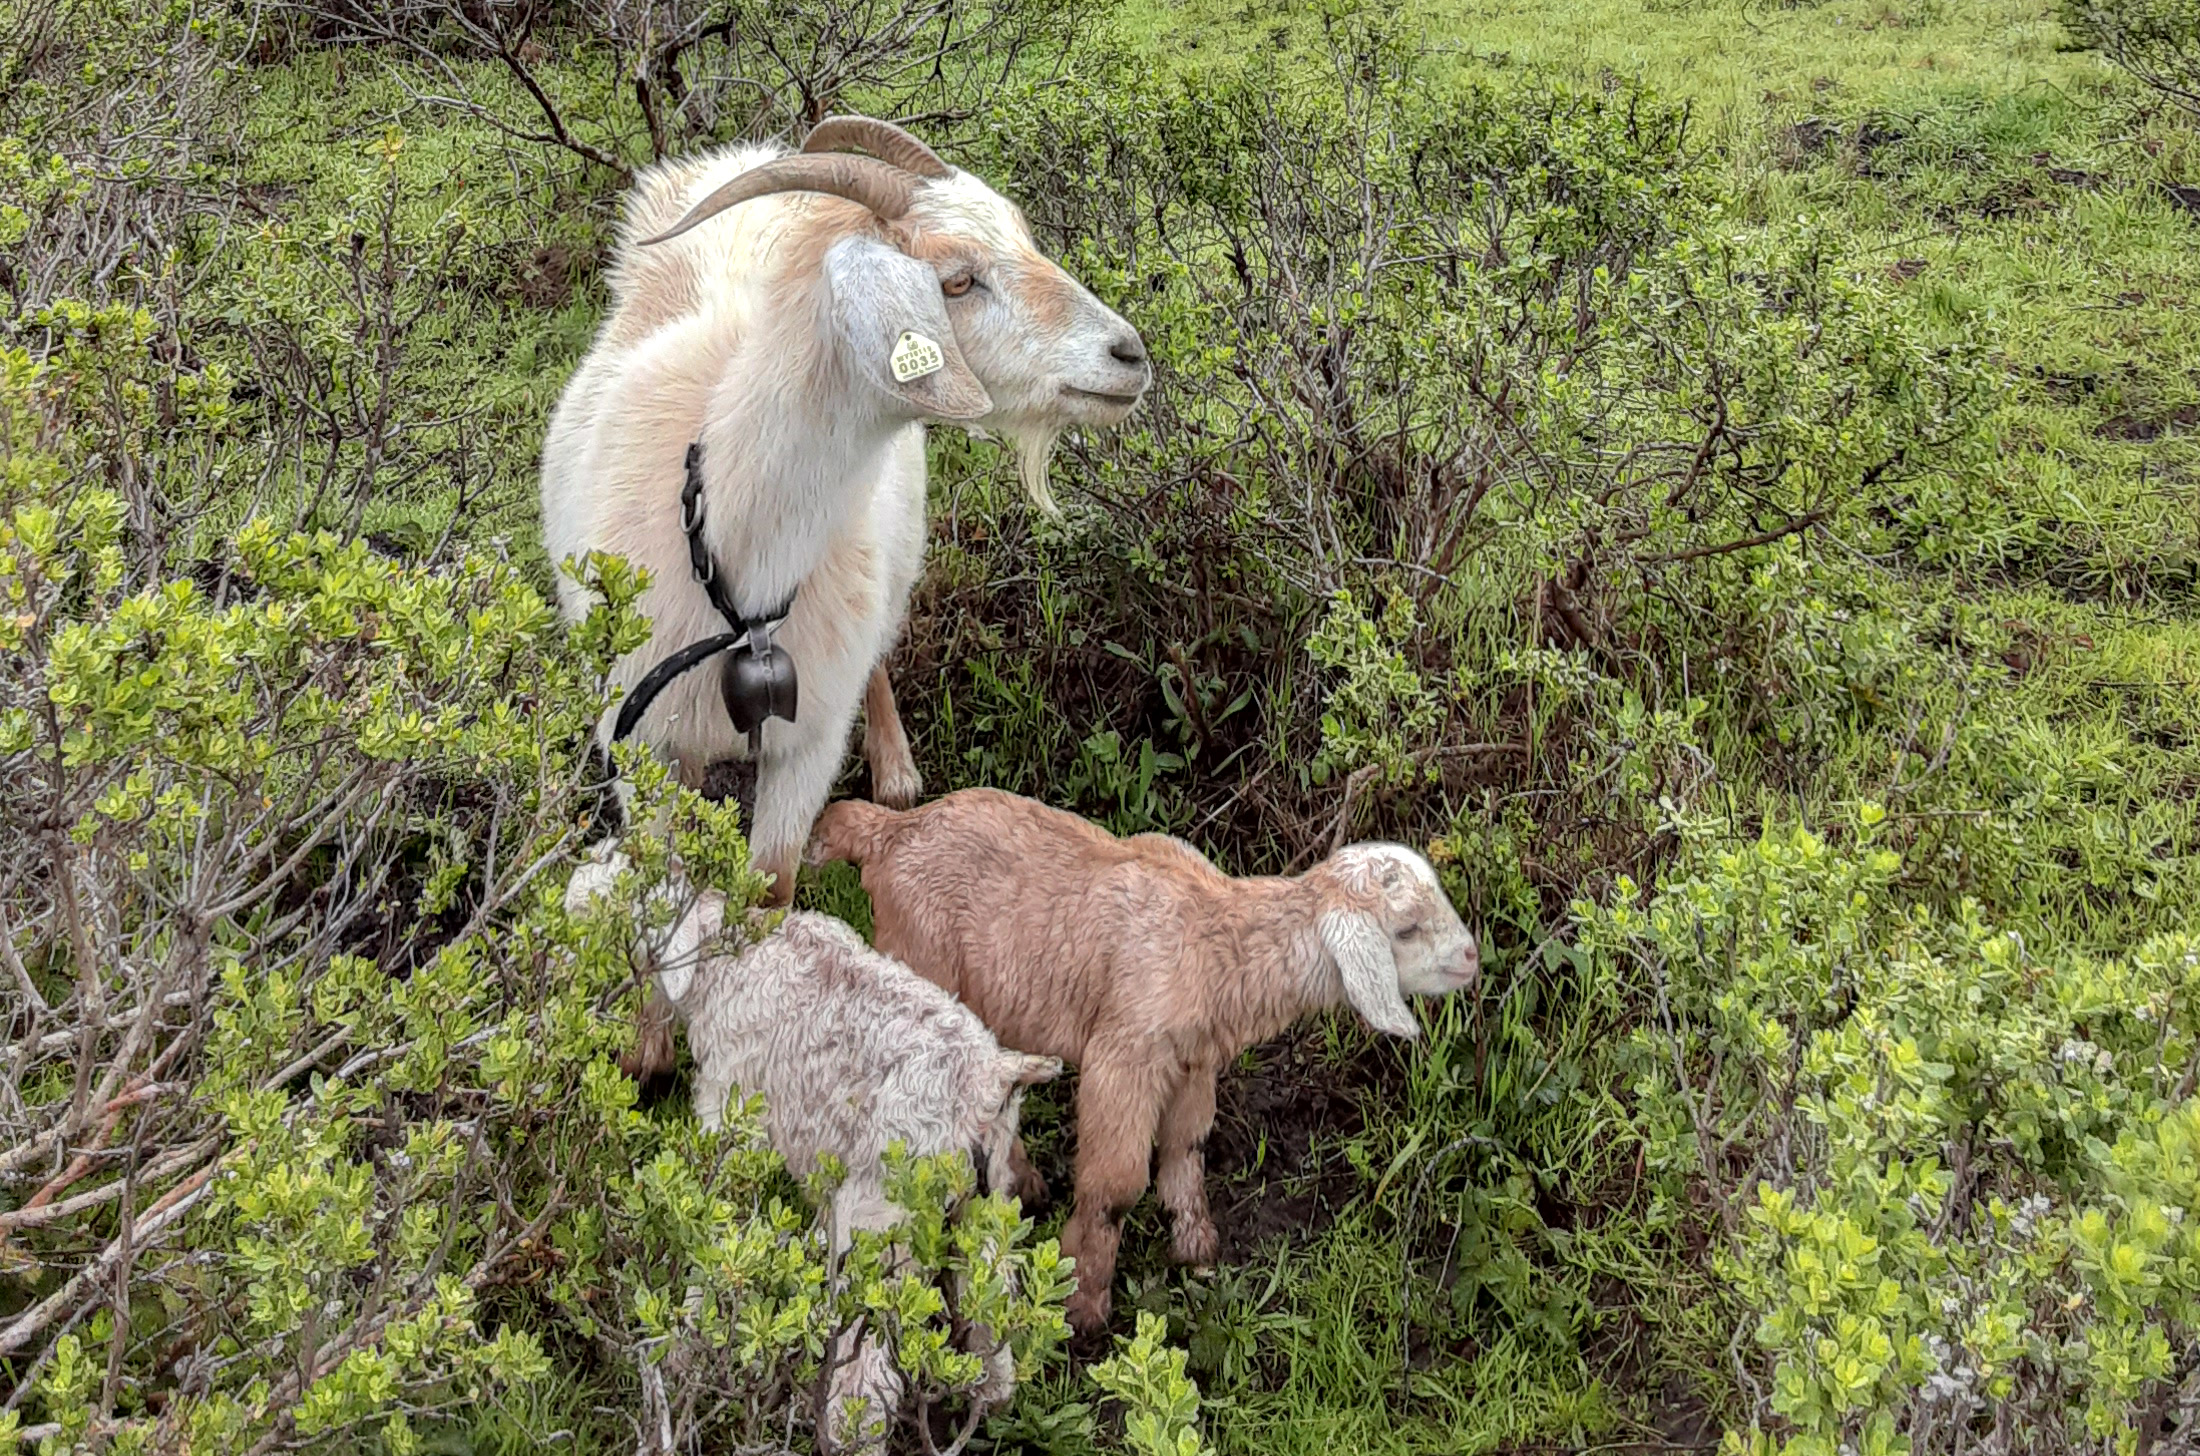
(1025, 1182)
(653, 1053)
(863, 1393)
(1119, 1101)
(1182, 1177)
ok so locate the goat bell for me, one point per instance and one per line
(758, 682)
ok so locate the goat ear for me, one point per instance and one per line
(894, 324)
(675, 953)
(1370, 972)
(593, 877)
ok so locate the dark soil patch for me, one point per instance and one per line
(2077, 177)
(1683, 1420)
(2187, 198)
(1808, 137)
(2064, 387)
(390, 931)
(2135, 428)
(1872, 137)
(545, 280)
(1273, 1171)
(2011, 198)
(1902, 270)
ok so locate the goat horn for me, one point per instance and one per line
(884, 188)
(882, 139)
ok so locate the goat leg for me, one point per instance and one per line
(1182, 1176)
(652, 1054)
(894, 778)
(1118, 1105)
(1026, 1184)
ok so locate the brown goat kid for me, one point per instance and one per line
(1144, 965)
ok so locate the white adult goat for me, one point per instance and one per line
(778, 340)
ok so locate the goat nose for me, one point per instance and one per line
(1128, 350)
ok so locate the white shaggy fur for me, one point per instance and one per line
(852, 1052)
(764, 333)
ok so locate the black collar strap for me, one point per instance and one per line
(713, 583)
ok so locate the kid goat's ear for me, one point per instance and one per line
(894, 325)
(675, 952)
(1362, 952)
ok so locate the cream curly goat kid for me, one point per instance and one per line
(852, 1052)
(778, 339)
(1146, 966)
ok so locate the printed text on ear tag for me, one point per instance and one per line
(916, 356)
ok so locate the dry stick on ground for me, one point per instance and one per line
(160, 1168)
(1340, 833)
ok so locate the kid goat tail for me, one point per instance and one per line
(849, 829)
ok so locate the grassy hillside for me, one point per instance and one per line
(1722, 478)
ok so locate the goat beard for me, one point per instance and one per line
(1034, 449)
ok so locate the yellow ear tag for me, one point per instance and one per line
(916, 356)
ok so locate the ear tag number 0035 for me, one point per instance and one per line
(916, 356)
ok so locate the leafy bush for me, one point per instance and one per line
(616, 83)
(1506, 489)
(1494, 354)
(309, 1120)
(310, 1073)
(2156, 41)
(1161, 1402)
(1952, 1170)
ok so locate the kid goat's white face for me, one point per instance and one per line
(1399, 938)
(1435, 952)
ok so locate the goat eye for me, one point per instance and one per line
(1411, 932)
(958, 286)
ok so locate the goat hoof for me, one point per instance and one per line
(1088, 1315)
(1089, 1345)
(898, 788)
(1199, 1245)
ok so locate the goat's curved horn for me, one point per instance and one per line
(882, 139)
(884, 188)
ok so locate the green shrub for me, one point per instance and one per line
(1505, 489)
(313, 1100)
(2156, 41)
(1161, 1404)
(1492, 353)
(1952, 1170)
